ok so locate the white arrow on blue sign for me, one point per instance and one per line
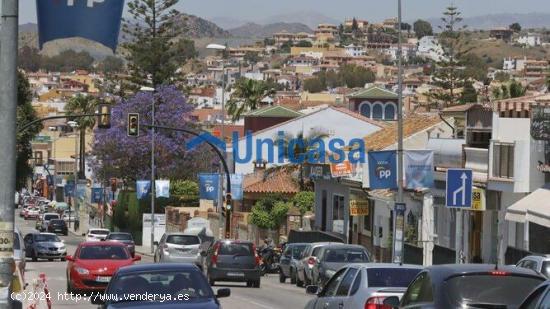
(459, 188)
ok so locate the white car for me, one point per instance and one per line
(68, 216)
(46, 220)
(97, 234)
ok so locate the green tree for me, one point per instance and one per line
(502, 76)
(516, 27)
(286, 46)
(422, 28)
(184, 188)
(516, 89)
(449, 75)
(469, 94)
(154, 34)
(29, 59)
(304, 201)
(269, 212)
(474, 67)
(68, 61)
(313, 85)
(111, 64)
(304, 43)
(25, 114)
(247, 96)
(78, 105)
(251, 58)
(354, 76)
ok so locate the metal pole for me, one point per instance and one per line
(153, 176)
(8, 112)
(399, 118)
(75, 173)
(222, 137)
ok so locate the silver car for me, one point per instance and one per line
(44, 246)
(307, 261)
(538, 263)
(178, 248)
(363, 286)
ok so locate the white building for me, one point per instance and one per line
(430, 48)
(530, 39)
(355, 50)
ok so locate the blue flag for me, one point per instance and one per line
(209, 184)
(383, 169)
(142, 188)
(96, 20)
(97, 195)
(237, 187)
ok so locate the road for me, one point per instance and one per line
(271, 295)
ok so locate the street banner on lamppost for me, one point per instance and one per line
(209, 184)
(237, 187)
(162, 188)
(419, 169)
(142, 188)
(382, 169)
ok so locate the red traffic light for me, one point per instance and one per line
(133, 124)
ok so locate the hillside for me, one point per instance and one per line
(253, 30)
(485, 22)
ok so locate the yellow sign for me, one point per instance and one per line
(359, 208)
(478, 199)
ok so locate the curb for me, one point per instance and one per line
(143, 253)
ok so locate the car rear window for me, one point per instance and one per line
(49, 217)
(297, 251)
(390, 277)
(546, 269)
(99, 232)
(345, 255)
(507, 290)
(235, 249)
(103, 253)
(184, 240)
(57, 221)
(120, 236)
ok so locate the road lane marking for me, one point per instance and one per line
(252, 302)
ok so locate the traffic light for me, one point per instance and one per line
(104, 115)
(133, 124)
(228, 201)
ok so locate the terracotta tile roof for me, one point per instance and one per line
(463, 108)
(275, 180)
(386, 137)
(206, 114)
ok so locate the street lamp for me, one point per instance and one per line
(74, 125)
(152, 90)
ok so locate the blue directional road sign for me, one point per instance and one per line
(459, 188)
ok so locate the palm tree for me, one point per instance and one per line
(301, 149)
(78, 105)
(248, 95)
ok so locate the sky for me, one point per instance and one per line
(373, 10)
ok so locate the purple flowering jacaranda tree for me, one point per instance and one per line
(115, 154)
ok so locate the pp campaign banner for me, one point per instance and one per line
(142, 188)
(209, 184)
(382, 169)
(419, 169)
(162, 188)
(97, 195)
(237, 187)
(96, 20)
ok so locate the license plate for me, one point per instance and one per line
(103, 279)
(58, 230)
(235, 274)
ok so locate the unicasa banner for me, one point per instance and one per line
(237, 187)
(162, 188)
(96, 20)
(209, 184)
(382, 169)
(419, 169)
(142, 188)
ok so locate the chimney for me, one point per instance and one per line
(260, 166)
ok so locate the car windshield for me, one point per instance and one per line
(47, 238)
(297, 251)
(345, 255)
(120, 236)
(57, 221)
(235, 249)
(185, 240)
(546, 269)
(99, 232)
(49, 217)
(507, 290)
(103, 253)
(170, 286)
(390, 277)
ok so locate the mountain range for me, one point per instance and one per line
(485, 22)
(253, 30)
(308, 18)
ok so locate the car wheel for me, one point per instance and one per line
(282, 277)
(256, 284)
(249, 284)
(306, 280)
(299, 283)
(62, 259)
(50, 260)
(69, 289)
(34, 257)
(292, 276)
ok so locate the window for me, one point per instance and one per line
(356, 284)
(343, 289)
(338, 207)
(365, 109)
(332, 285)
(420, 291)
(533, 299)
(503, 160)
(389, 112)
(377, 112)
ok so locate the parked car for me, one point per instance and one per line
(233, 260)
(173, 279)
(307, 261)
(19, 250)
(58, 226)
(96, 234)
(363, 286)
(287, 264)
(539, 298)
(178, 248)
(468, 286)
(538, 263)
(46, 220)
(31, 213)
(68, 216)
(94, 263)
(44, 246)
(333, 257)
(125, 238)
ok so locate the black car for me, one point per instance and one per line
(163, 286)
(289, 259)
(468, 286)
(125, 238)
(58, 226)
(539, 298)
(233, 260)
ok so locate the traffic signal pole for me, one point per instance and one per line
(8, 116)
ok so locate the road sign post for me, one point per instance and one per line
(458, 194)
(399, 221)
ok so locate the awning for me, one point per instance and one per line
(535, 208)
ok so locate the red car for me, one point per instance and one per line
(91, 267)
